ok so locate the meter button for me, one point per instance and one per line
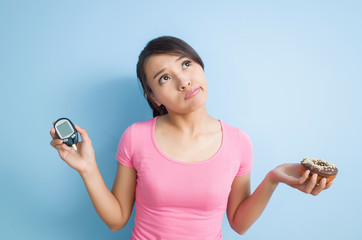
(73, 136)
(65, 140)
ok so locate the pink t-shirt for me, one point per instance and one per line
(182, 200)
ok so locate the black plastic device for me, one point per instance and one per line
(66, 131)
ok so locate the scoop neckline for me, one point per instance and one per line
(153, 128)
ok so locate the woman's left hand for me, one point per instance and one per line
(289, 174)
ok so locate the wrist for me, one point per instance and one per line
(89, 170)
(272, 178)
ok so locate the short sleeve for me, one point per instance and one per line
(124, 151)
(246, 161)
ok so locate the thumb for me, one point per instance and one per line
(291, 180)
(83, 133)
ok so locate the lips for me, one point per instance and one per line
(192, 93)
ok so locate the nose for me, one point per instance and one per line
(184, 83)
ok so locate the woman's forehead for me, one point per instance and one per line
(157, 62)
(162, 58)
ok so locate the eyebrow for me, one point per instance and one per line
(163, 69)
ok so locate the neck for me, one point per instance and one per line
(190, 123)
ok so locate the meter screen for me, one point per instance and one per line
(64, 129)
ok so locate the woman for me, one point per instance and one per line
(184, 167)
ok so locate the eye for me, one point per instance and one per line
(186, 64)
(164, 78)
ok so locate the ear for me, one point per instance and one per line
(155, 99)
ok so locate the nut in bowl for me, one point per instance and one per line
(323, 168)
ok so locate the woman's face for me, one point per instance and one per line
(177, 82)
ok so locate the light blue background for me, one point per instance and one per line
(288, 73)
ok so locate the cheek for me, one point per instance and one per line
(204, 85)
(198, 75)
(202, 80)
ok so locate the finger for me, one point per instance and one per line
(311, 184)
(56, 142)
(293, 181)
(329, 184)
(61, 146)
(303, 178)
(83, 133)
(65, 151)
(53, 134)
(64, 148)
(67, 148)
(319, 188)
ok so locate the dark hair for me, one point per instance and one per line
(162, 45)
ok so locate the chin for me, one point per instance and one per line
(197, 106)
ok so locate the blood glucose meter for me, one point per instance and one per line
(65, 130)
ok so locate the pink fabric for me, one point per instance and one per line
(182, 200)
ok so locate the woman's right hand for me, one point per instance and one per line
(81, 160)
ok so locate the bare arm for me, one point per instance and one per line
(113, 208)
(124, 188)
(250, 207)
(244, 209)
